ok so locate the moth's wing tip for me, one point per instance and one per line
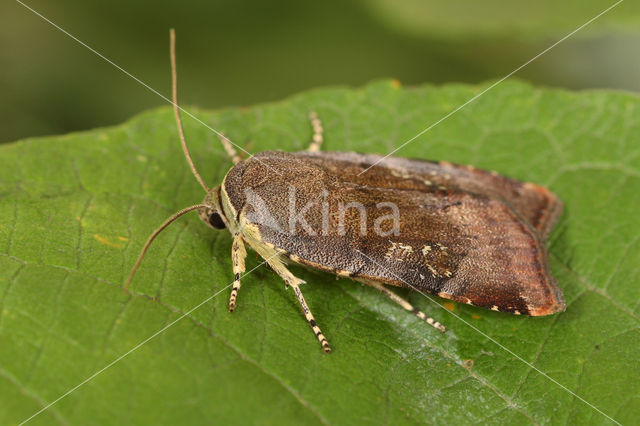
(547, 310)
(556, 304)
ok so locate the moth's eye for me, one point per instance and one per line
(216, 221)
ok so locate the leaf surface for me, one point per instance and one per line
(497, 18)
(76, 210)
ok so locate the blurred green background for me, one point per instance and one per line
(245, 52)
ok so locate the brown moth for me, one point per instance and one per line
(450, 230)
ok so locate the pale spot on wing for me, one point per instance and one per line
(397, 251)
(430, 255)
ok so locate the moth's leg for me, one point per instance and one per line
(309, 316)
(406, 305)
(316, 142)
(238, 254)
(293, 281)
(231, 151)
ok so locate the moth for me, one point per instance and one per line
(451, 230)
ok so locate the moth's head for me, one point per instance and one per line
(213, 215)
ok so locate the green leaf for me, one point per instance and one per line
(499, 18)
(76, 210)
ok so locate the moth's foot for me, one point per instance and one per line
(234, 294)
(431, 321)
(408, 306)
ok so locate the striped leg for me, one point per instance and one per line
(316, 142)
(406, 305)
(238, 254)
(231, 151)
(272, 258)
(309, 316)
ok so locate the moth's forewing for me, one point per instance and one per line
(469, 246)
(536, 204)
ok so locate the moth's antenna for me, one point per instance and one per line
(154, 235)
(176, 111)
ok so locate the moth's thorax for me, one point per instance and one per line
(226, 207)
